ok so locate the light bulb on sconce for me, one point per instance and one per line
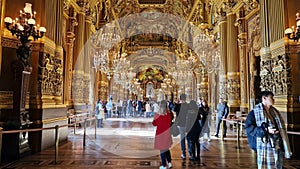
(292, 33)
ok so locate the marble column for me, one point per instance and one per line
(223, 59)
(233, 75)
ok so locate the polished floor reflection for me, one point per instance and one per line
(126, 143)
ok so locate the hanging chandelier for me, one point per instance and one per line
(207, 52)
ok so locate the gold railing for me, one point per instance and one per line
(56, 128)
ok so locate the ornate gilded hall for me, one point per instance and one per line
(59, 57)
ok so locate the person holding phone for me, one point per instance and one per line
(268, 126)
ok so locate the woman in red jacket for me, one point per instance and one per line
(163, 140)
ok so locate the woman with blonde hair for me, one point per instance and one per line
(163, 140)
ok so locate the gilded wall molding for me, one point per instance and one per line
(277, 48)
(292, 48)
(6, 99)
(9, 43)
(53, 120)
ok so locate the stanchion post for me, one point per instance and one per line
(84, 132)
(56, 142)
(222, 128)
(75, 123)
(95, 126)
(238, 134)
(1, 130)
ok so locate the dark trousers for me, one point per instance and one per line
(165, 156)
(194, 149)
(219, 121)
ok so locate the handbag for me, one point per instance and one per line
(174, 130)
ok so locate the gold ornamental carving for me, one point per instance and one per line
(250, 5)
(50, 75)
(9, 43)
(265, 75)
(233, 89)
(281, 75)
(276, 75)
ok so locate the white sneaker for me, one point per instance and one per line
(162, 167)
(170, 165)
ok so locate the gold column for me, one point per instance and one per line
(87, 64)
(265, 62)
(68, 69)
(223, 58)
(241, 23)
(204, 85)
(233, 81)
(198, 80)
(264, 28)
(59, 50)
(51, 16)
(79, 43)
(78, 82)
(2, 7)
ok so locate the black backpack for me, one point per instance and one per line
(250, 125)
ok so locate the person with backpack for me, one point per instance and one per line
(266, 133)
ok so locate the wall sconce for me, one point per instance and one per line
(293, 34)
(23, 27)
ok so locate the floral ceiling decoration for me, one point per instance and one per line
(151, 74)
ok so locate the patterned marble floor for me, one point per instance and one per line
(128, 144)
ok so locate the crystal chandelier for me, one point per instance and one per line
(207, 52)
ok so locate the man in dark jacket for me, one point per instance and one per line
(181, 112)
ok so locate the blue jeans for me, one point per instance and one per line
(182, 139)
(165, 155)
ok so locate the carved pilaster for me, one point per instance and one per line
(204, 86)
(223, 88)
(233, 82)
(265, 75)
(242, 36)
(233, 89)
(69, 68)
(77, 87)
(223, 55)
